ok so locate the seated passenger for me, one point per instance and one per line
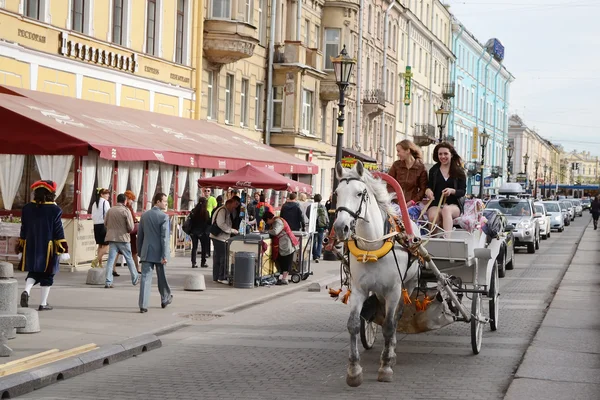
(446, 177)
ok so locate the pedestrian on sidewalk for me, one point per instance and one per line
(595, 210)
(119, 223)
(292, 213)
(221, 230)
(322, 225)
(42, 241)
(284, 243)
(200, 230)
(99, 210)
(153, 244)
(133, 234)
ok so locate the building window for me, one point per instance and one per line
(324, 122)
(307, 111)
(262, 25)
(229, 99)
(244, 102)
(32, 8)
(332, 46)
(307, 33)
(77, 15)
(179, 33)
(348, 125)
(318, 37)
(151, 27)
(117, 22)
(370, 19)
(210, 94)
(258, 101)
(249, 12)
(221, 9)
(378, 24)
(334, 124)
(277, 107)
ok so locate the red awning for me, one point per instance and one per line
(46, 124)
(256, 178)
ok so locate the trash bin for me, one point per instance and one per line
(243, 270)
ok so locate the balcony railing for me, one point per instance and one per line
(424, 134)
(448, 90)
(374, 96)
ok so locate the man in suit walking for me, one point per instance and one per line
(153, 247)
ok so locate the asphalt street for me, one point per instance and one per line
(296, 347)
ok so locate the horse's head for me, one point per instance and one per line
(352, 198)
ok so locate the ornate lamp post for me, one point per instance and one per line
(526, 161)
(550, 179)
(545, 189)
(342, 66)
(484, 141)
(441, 115)
(509, 154)
(537, 165)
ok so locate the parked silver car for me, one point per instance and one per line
(570, 208)
(578, 207)
(543, 220)
(557, 218)
(520, 213)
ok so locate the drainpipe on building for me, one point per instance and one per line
(270, 75)
(496, 115)
(477, 102)
(357, 138)
(453, 79)
(386, 38)
(298, 20)
(485, 109)
(199, 30)
(431, 106)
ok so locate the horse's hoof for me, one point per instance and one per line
(385, 374)
(354, 381)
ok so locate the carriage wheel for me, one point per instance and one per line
(296, 278)
(493, 295)
(476, 326)
(368, 332)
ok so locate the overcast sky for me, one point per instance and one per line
(552, 49)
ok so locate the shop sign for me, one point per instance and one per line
(180, 78)
(407, 83)
(348, 162)
(151, 70)
(85, 52)
(31, 36)
(475, 145)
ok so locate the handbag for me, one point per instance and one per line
(187, 225)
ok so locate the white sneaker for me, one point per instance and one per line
(224, 282)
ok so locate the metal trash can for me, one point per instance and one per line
(244, 270)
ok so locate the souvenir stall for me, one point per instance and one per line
(251, 240)
(83, 145)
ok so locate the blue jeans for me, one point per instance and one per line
(125, 249)
(317, 247)
(146, 283)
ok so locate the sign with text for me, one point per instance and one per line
(475, 146)
(407, 84)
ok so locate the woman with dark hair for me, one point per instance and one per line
(219, 201)
(595, 210)
(133, 234)
(99, 209)
(200, 230)
(410, 171)
(42, 241)
(447, 179)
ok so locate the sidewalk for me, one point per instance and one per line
(91, 314)
(563, 360)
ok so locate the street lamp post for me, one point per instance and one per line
(441, 115)
(537, 165)
(526, 161)
(545, 189)
(550, 179)
(342, 66)
(509, 155)
(484, 141)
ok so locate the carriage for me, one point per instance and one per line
(386, 275)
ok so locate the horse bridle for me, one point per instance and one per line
(363, 199)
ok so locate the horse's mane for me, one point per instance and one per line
(378, 188)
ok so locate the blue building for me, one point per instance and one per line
(482, 92)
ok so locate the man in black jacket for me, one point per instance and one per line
(292, 213)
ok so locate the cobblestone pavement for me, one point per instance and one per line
(296, 347)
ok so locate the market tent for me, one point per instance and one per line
(254, 177)
(40, 123)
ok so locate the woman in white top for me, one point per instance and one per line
(99, 210)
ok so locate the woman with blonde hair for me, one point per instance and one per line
(410, 171)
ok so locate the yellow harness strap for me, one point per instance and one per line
(366, 256)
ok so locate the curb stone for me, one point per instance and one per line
(28, 381)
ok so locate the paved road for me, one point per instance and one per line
(296, 348)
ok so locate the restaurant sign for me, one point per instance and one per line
(407, 84)
(85, 52)
(348, 162)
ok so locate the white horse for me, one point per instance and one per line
(363, 204)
